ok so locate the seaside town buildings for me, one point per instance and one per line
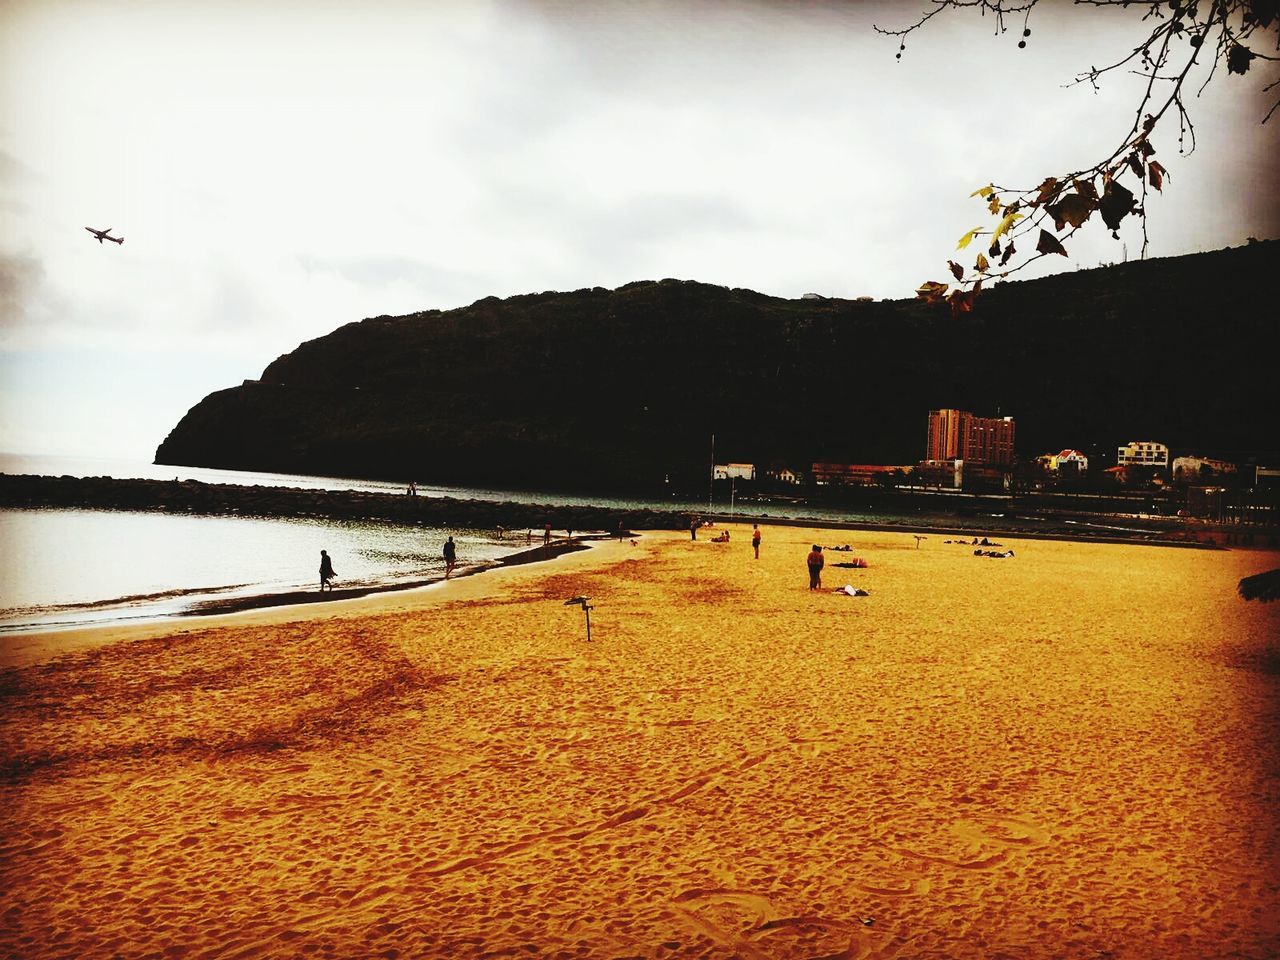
(974, 454)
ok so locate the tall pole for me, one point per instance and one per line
(711, 487)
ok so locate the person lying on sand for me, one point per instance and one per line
(849, 590)
(993, 553)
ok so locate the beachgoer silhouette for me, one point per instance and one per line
(450, 556)
(815, 561)
(326, 572)
(546, 535)
(694, 523)
(755, 539)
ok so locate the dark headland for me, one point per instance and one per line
(620, 390)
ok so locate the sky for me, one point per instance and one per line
(279, 169)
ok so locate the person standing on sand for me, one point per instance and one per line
(546, 535)
(755, 539)
(450, 556)
(326, 572)
(694, 524)
(815, 562)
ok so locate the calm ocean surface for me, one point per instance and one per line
(64, 568)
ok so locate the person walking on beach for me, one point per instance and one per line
(546, 535)
(450, 556)
(755, 539)
(326, 572)
(815, 562)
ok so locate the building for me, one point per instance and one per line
(1266, 477)
(946, 474)
(734, 471)
(959, 435)
(853, 474)
(1195, 469)
(1066, 462)
(1143, 454)
(783, 473)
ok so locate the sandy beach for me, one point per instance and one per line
(1068, 753)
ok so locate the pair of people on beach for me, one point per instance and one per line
(327, 574)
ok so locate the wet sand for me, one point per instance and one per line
(1072, 752)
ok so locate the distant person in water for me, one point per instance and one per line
(815, 561)
(546, 535)
(326, 572)
(755, 539)
(450, 556)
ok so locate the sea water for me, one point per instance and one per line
(64, 568)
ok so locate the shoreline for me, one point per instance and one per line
(207, 608)
(36, 645)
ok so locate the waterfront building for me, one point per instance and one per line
(1195, 469)
(945, 474)
(959, 435)
(783, 474)
(1143, 453)
(853, 474)
(1066, 461)
(734, 471)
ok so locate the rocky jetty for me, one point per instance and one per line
(218, 499)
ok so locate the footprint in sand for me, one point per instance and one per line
(753, 928)
(982, 833)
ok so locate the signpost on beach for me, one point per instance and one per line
(586, 608)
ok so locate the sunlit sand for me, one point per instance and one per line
(1070, 753)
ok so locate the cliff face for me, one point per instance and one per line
(622, 389)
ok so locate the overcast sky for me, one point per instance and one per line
(279, 169)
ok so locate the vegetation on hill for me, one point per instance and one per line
(622, 389)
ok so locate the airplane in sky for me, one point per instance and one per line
(102, 235)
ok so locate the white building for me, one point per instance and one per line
(1143, 454)
(734, 471)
